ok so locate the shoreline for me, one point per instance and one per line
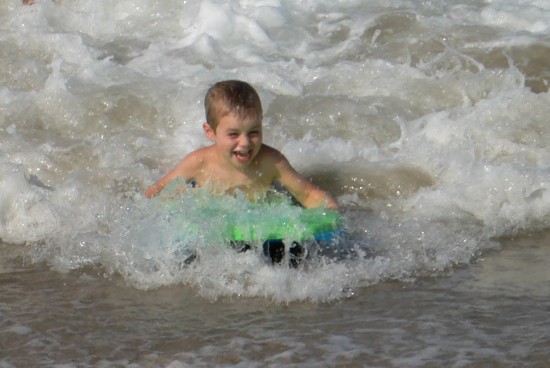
(74, 317)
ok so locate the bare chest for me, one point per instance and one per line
(253, 183)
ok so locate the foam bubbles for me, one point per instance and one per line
(25, 213)
(519, 16)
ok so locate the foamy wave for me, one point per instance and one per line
(426, 121)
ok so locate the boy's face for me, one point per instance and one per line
(237, 139)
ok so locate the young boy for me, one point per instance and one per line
(237, 159)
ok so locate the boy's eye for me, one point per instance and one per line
(233, 134)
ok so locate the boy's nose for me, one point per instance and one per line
(244, 141)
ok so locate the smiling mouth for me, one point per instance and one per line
(243, 156)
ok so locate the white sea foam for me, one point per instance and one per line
(434, 146)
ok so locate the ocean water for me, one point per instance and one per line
(427, 121)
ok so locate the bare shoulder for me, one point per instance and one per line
(193, 162)
(274, 162)
(198, 156)
(272, 155)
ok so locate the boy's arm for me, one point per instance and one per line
(185, 169)
(308, 194)
(156, 188)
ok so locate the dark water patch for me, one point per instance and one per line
(533, 61)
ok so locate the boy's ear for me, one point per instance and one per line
(209, 132)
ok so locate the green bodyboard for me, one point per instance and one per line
(309, 224)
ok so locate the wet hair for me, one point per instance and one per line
(232, 97)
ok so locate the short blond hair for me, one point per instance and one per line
(232, 96)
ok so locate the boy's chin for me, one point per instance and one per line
(240, 163)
